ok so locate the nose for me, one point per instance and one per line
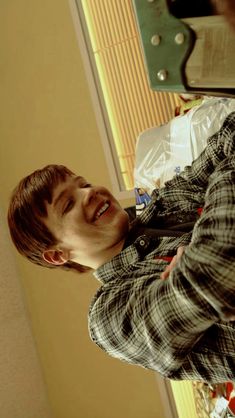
(89, 194)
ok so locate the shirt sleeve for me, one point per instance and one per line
(189, 187)
(157, 323)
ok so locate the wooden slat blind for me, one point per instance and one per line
(184, 399)
(132, 107)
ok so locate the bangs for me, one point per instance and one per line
(28, 207)
(37, 189)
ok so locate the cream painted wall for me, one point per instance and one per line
(22, 390)
(46, 116)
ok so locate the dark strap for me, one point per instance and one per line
(155, 232)
(138, 230)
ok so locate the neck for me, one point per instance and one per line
(95, 261)
(109, 254)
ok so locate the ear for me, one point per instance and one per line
(56, 257)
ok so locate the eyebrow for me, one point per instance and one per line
(63, 192)
(58, 199)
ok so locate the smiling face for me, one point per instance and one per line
(87, 221)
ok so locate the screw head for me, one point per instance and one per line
(155, 40)
(179, 38)
(162, 75)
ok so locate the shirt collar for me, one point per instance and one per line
(118, 265)
(147, 214)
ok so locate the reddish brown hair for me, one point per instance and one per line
(26, 212)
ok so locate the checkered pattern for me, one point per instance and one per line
(180, 327)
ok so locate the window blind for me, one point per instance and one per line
(130, 104)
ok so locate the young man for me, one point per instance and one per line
(182, 326)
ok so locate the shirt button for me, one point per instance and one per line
(142, 244)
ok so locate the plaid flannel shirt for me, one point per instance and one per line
(181, 327)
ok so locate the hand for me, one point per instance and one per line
(173, 263)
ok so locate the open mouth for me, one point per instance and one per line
(102, 210)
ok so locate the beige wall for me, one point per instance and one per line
(22, 390)
(46, 116)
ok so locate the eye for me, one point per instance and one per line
(87, 185)
(68, 206)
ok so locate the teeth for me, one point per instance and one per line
(102, 210)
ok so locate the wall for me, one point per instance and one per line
(46, 116)
(22, 390)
